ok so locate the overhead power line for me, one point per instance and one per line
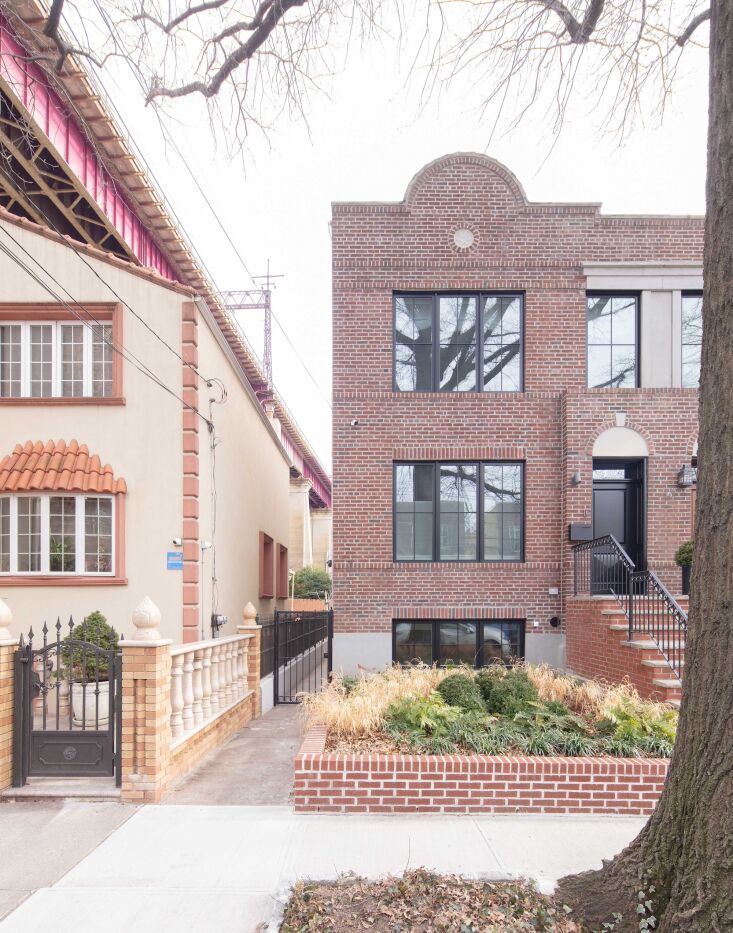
(91, 321)
(194, 177)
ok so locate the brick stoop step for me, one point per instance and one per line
(648, 657)
(598, 647)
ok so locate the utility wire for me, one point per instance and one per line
(126, 355)
(171, 140)
(69, 241)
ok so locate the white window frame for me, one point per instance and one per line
(56, 368)
(79, 535)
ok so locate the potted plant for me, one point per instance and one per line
(89, 670)
(683, 559)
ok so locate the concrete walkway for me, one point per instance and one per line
(189, 868)
(40, 842)
(254, 768)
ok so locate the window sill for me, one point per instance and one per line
(55, 401)
(61, 580)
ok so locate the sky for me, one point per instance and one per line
(364, 140)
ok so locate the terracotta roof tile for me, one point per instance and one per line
(57, 467)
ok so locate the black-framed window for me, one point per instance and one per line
(691, 338)
(476, 642)
(613, 340)
(458, 342)
(459, 511)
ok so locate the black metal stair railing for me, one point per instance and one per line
(602, 566)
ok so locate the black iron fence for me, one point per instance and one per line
(603, 567)
(267, 645)
(67, 697)
(296, 650)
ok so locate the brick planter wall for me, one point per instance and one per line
(338, 783)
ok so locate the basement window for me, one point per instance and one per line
(476, 642)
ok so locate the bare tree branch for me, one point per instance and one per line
(692, 26)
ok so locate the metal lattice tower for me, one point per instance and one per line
(254, 300)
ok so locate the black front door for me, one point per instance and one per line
(618, 507)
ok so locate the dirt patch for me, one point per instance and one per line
(423, 902)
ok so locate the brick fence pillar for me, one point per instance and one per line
(146, 708)
(249, 626)
(8, 647)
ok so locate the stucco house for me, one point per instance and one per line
(142, 450)
(512, 379)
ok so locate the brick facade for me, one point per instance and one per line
(7, 655)
(537, 249)
(337, 783)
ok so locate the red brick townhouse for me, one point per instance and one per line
(507, 375)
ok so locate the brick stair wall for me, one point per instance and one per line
(597, 647)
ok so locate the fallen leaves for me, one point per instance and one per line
(423, 902)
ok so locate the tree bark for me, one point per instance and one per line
(686, 849)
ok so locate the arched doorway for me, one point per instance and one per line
(619, 490)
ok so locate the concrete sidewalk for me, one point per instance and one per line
(189, 868)
(255, 767)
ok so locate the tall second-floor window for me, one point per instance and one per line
(458, 343)
(458, 511)
(612, 341)
(691, 339)
(55, 359)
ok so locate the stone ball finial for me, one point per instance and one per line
(6, 617)
(249, 614)
(146, 619)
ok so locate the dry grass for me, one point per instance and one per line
(360, 709)
(585, 697)
(357, 710)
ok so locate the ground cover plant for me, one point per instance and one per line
(529, 710)
(423, 902)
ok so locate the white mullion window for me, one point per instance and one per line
(70, 535)
(87, 361)
(55, 359)
(80, 542)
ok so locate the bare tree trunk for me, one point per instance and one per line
(686, 849)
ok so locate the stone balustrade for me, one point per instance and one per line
(207, 679)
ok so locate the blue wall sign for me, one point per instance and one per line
(174, 560)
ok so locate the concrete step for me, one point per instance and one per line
(88, 789)
(675, 703)
(659, 662)
(669, 683)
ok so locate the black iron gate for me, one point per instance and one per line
(301, 653)
(67, 708)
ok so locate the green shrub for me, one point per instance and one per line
(683, 556)
(312, 583)
(461, 690)
(551, 715)
(86, 664)
(505, 693)
(638, 722)
(428, 715)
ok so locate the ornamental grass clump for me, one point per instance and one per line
(527, 710)
(357, 707)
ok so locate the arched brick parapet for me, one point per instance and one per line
(481, 162)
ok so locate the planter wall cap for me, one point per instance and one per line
(146, 619)
(6, 617)
(145, 643)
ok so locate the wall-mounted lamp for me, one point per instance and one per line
(576, 479)
(687, 475)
